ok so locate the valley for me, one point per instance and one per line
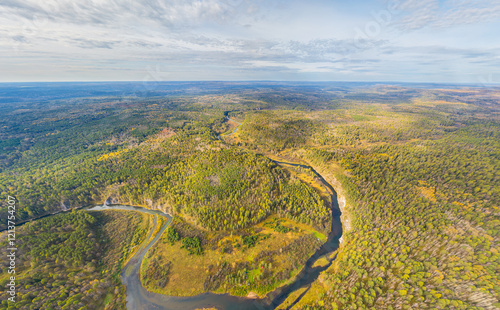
(255, 196)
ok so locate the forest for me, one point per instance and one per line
(183, 169)
(422, 200)
(73, 260)
(416, 164)
(431, 218)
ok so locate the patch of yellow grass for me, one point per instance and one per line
(111, 155)
(189, 272)
(427, 191)
(321, 262)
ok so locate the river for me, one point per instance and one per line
(139, 298)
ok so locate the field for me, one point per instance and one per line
(232, 264)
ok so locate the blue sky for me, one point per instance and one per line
(114, 40)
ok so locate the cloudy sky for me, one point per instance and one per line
(152, 40)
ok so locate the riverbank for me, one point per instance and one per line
(331, 173)
(138, 296)
(281, 242)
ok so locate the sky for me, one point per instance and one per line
(443, 41)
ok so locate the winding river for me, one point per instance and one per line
(139, 298)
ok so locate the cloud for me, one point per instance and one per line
(417, 14)
(169, 13)
(328, 49)
(85, 43)
(19, 38)
(226, 38)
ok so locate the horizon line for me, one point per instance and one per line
(254, 81)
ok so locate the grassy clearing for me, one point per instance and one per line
(230, 264)
(321, 262)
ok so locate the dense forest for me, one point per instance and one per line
(422, 188)
(73, 260)
(425, 224)
(183, 169)
(417, 164)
